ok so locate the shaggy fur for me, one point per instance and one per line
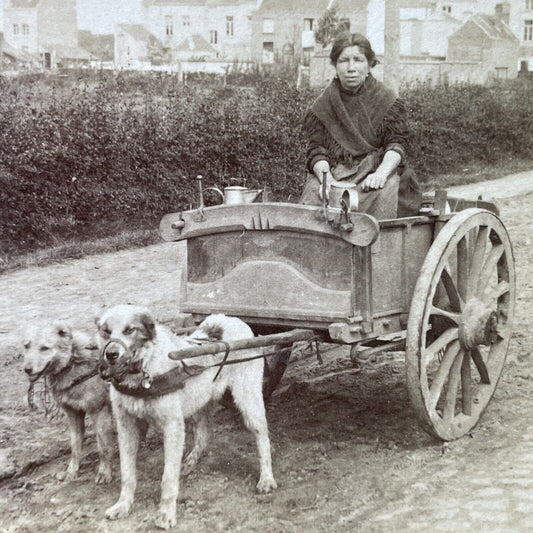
(62, 355)
(141, 338)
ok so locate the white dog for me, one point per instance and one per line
(68, 361)
(133, 345)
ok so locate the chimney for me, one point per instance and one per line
(502, 11)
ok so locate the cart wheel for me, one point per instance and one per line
(275, 366)
(460, 323)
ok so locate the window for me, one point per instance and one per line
(169, 27)
(528, 30)
(186, 21)
(529, 5)
(25, 29)
(229, 26)
(213, 37)
(308, 24)
(268, 25)
(15, 29)
(501, 73)
(447, 9)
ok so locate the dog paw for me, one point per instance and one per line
(103, 476)
(67, 475)
(165, 519)
(119, 510)
(266, 485)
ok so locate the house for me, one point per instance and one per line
(136, 47)
(15, 59)
(459, 9)
(44, 27)
(284, 29)
(194, 47)
(522, 25)
(488, 40)
(100, 47)
(417, 36)
(226, 25)
(518, 14)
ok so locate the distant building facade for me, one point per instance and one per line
(225, 25)
(46, 28)
(488, 40)
(284, 29)
(136, 47)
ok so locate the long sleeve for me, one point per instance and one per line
(316, 137)
(394, 131)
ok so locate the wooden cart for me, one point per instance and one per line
(440, 286)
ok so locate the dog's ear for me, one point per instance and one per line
(63, 330)
(148, 325)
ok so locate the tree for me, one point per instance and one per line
(327, 26)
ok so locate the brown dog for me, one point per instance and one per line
(130, 339)
(68, 361)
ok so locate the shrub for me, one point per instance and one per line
(89, 155)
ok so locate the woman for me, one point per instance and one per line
(357, 134)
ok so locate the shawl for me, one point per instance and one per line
(354, 129)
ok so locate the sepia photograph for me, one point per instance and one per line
(265, 266)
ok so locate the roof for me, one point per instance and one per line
(444, 16)
(23, 3)
(18, 54)
(347, 7)
(212, 3)
(186, 3)
(416, 4)
(493, 27)
(98, 45)
(195, 43)
(138, 32)
(309, 6)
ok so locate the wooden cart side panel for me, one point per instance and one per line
(397, 257)
(270, 274)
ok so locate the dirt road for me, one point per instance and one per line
(348, 453)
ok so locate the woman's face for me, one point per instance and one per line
(352, 67)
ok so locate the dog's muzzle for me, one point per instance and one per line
(114, 366)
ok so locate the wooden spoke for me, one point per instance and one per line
(451, 390)
(478, 256)
(489, 268)
(493, 296)
(466, 385)
(439, 379)
(439, 344)
(451, 290)
(462, 269)
(448, 314)
(480, 365)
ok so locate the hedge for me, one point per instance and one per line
(86, 157)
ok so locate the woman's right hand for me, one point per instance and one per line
(319, 168)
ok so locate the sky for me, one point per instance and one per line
(99, 16)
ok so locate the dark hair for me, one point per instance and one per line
(345, 39)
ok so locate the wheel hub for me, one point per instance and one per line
(479, 325)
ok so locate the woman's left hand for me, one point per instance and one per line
(376, 180)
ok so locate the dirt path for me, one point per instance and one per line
(347, 450)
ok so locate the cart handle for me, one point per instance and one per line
(275, 339)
